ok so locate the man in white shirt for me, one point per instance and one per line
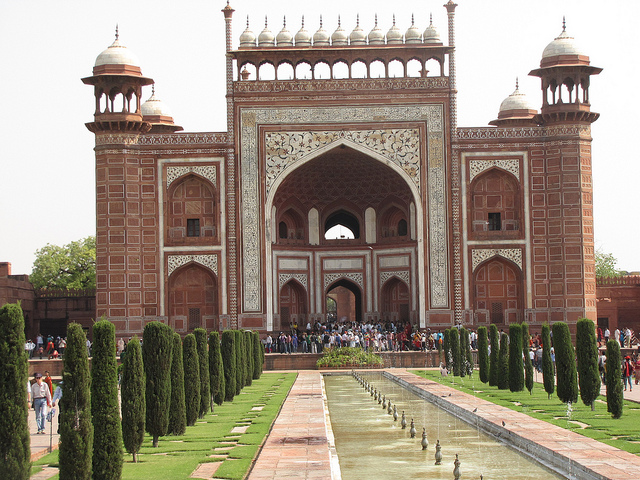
(41, 396)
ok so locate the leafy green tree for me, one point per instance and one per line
(228, 349)
(239, 361)
(587, 356)
(76, 429)
(503, 362)
(606, 265)
(516, 367)
(132, 386)
(14, 442)
(454, 341)
(203, 362)
(156, 354)
(248, 353)
(177, 412)
(548, 368)
(257, 356)
(615, 397)
(216, 370)
(494, 371)
(528, 366)
(70, 266)
(191, 378)
(483, 354)
(107, 430)
(567, 375)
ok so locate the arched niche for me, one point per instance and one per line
(192, 210)
(495, 205)
(293, 305)
(193, 298)
(498, 291)
(396, 301)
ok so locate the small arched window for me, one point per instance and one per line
(282, 230)
(402, 228)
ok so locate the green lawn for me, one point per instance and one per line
(177, 457)
(623, 433)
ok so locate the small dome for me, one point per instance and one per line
(431, 34)
(358, 37)
(516, 104)
(339, 37)
(248, 38)
(394, 35)
(155, 106)
(303, 38)
(376, 36)
(563, 44)
(116, 54)
(321, 37)
(266, 38)
(413, 35)
(284, 38)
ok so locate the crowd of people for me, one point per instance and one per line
(49, 347)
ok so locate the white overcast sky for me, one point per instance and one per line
(47, 165)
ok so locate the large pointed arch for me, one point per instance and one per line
(352, 311)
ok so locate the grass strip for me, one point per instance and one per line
(622, 433)
(177, 457)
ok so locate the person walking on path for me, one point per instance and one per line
(627, 372)
(41, 396)
(57, 395)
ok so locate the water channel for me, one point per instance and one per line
(371, 445)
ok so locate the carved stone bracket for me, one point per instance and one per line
(208, 261)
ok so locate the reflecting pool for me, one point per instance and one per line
(371, 445)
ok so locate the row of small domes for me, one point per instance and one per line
(340, 37)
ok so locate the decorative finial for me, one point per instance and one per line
(516, 83)
(227, 3)
(153, 89)
(412, 20)
(376, 20)
(431, 19)
(265, 21)
(117, 34)
(338, 21)
(284, 22)
(394, 19)
(302, 21)
(247, 22)
(357, 20)
(564, 24)
(320, 20)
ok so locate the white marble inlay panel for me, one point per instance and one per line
(342, 263)
(479, 255)
(176, 261)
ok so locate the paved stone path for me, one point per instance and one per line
(298, 445)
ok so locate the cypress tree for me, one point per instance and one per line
(615, 397)
(203, 362)
(191, 378)
(107, 430)
(156, 354)
(76, 429)
(228, 350)
(448, 358)
(528, 366)
(15, 441)
(547, 364)
(239, 361)
(483, 354)
(132, 396)
(454, 341)
(248, 353)
(494, 372)
(216, 370)
(516, 367)
(468, 361)
(177, 412)
(587, 355)
(567, 375)
(464, 340)
(257, 356)
(503, 362)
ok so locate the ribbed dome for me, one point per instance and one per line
(303, 38)
(248, 38)
(516, 103)
(285, 37)
(266, 38)
(358, 37)
(376, 36)
(155, 106)
(413, 35)
(339, 37)
(431, 34)
(116, 54)
(394, 35)
(321, 37)
(563, 44)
